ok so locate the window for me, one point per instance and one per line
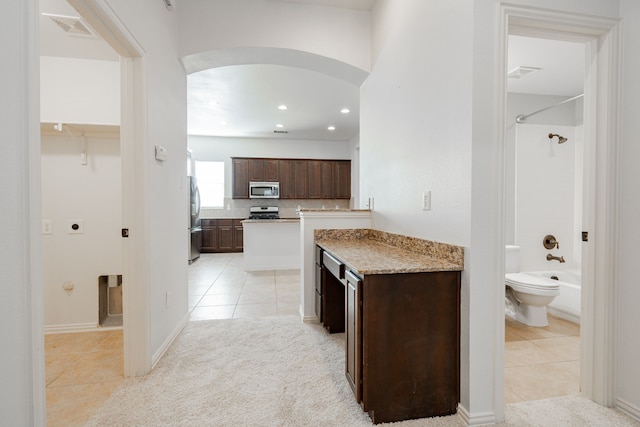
(210, 177)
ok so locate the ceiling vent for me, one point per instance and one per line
(71, 25)
(280, 131)
(521, 72)
(169, 4)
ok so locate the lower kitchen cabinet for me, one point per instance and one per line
(221, 235)
(402, 339)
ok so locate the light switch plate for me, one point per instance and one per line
(161, 153)
(47, 226)
(426, 200)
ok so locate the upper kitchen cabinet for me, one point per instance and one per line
(285, 169)
(263, 170)
(314, 179)
(342, 179)
(299, 178)
(240, 184)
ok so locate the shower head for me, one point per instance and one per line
(561, 139)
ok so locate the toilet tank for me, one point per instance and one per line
(511, 259)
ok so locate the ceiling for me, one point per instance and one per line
(243, 101)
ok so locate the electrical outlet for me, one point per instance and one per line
(75, 226)
(426, 201)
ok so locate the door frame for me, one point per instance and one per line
(133, 135)
(602, 121)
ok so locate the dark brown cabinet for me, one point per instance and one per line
(263, 170)
(314, 179)
(285, 169)
(341, 179)
(402, 340)
(240, 184)
(353, 337)
(222, 235)
(299, 178)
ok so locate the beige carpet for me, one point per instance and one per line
(278, 371)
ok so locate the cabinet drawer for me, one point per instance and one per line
(333, 265)
(319, 255)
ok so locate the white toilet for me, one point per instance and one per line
(526, 295)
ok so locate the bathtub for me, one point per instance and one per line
(567, 304)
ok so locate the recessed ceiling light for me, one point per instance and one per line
(223, 123)
(213, 102)
(282, 107)
(331, 128)
(345, 111)
(279, 125)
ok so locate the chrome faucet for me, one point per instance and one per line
(557, 258)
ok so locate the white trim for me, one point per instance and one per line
(477, 419)
(133, 136)
(167, 342)
(628, 408)
(34, 302)
(74, 327)
(602, 102)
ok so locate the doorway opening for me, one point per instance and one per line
(600, 36)
(544, 195)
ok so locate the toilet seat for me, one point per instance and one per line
(535, 285)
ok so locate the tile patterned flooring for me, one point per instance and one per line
(541, 362)
(83, 369)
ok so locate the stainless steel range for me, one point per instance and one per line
(263, 212)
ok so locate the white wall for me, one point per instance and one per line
(416, 135)
(21, 352)
(161, 187)
(79, 91)
(628, 315)
(569, 114)
(342, 34)
(91, 193)
(546, 195)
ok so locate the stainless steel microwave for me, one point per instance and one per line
(264, 190)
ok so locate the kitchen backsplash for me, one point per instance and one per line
(239, 208)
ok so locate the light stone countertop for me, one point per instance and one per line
(270, 221)
(367, 251)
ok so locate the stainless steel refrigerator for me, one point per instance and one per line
(195, 230)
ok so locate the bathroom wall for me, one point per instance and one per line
(91, 193)
(548, 195)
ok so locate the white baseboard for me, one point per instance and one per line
(307, 319)
(165, 345)
(74, 327)
(628, 408)
(563, 315)
(479, 419)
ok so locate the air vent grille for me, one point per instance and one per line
(280, 131)
(71, 25)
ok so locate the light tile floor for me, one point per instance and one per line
(83, 369)
(219, 288)
(541, 362)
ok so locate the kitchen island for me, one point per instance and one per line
(271, 244)
(398, 299)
